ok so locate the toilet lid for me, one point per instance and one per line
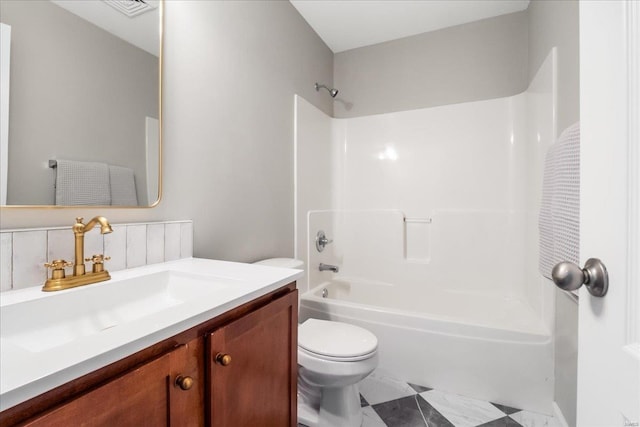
(335, 339)
(282, 263)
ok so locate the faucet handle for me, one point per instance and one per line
(98, 259)
(58, 266)
(322, 241)
(98, 262)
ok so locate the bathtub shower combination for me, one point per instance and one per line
(432, 215)
(466, 351)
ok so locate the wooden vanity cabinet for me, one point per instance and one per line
(256, 388)
(146, 396)
(253, 368)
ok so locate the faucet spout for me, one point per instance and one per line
(79, 229)
(328, 267)
(105, 227)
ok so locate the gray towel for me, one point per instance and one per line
(559, 222)
(82, 183)
(123, 186)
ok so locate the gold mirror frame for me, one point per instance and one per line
(160, 142)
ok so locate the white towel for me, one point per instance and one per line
(82, 183)
(123, 186)
(559, 222)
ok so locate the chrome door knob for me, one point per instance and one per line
(569, 277)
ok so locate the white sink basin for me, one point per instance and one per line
(50, 338)
(43, 324)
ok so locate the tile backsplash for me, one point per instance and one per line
(23, 252)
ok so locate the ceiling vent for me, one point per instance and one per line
(130, 8)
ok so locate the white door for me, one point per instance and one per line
(609, 327)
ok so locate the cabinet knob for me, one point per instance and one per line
(223, 359)
(185, 383)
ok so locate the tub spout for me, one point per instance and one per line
(328, 267)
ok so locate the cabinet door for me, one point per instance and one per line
(258, 385)
(135, 399)
(146, 396)
(187, 406)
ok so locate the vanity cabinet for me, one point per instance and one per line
(252, 368)
(254, 385)
(147, 396)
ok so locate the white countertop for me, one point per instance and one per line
(29, 369)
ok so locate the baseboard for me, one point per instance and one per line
(557, 414)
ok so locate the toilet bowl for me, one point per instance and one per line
(333, 357)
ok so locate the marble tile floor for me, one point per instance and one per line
(388, 402)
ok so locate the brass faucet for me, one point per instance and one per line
(59, 281)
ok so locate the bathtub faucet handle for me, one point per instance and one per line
(322, 241)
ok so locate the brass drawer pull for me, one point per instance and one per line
(185, 383)
(223, 359)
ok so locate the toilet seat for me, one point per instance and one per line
(336, 359)
(336, 341)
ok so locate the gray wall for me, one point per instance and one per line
(231, 70)
(480, 60)
(230, 90)
(555, 23)
(77, 92)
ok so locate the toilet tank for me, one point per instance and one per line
(282, 263)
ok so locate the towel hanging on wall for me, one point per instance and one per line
(82, 183)
(123, 186)
(559, 221)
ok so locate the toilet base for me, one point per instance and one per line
(339, 407)
(307, 415)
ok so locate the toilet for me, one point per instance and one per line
(333, 357)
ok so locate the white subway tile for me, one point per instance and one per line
(186, 240)
(115, 246)
(136, 245)
(155, 243)
(5, 261)
(60, 245)
(172, 241)
(24, 252)
(93, 244)
(29, 256)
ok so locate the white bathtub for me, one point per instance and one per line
(481, 346)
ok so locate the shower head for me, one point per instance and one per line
(332, 92)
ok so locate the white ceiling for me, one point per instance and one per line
(142, 30)
(348, 24)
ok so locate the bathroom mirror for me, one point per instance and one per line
(81, 79)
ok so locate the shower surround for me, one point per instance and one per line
(433, 213)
